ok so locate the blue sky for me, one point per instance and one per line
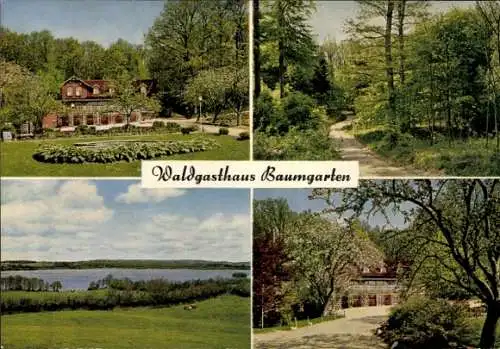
(298, 201)
(103, 21)
(80, 219)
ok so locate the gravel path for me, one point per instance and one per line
(370, 165)
(354, 331)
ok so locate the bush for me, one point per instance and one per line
(172, 127)
(239, 275)
(296, 145)
(158, 124)
(297, 108)
(188, 129)
(264, 113)
(223, 131)
(119, 152)
(244, 136)
(427, 323)
(82, 129)
(395, 139)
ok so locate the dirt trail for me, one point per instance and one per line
(355, 331)
(370, 165)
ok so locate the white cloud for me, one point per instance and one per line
(13, 190)
(136, 194)
(71, 207)
(70, 220)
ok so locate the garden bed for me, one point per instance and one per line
(120, 150)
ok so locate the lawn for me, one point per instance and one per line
(458, 158)
(219, 323)
(16, 157)
(300, 323)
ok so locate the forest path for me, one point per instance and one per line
(354, 331)
(370, 164)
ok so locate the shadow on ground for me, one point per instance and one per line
(373, 320)
(334, 341)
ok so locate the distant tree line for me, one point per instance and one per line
(193, 49)
(21, 283)
(126, 293)
(131, 264)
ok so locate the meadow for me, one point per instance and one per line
(16, 157)
(119, 293)
(218, 323)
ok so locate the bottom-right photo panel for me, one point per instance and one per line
(390, 264)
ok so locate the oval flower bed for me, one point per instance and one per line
(120, 151)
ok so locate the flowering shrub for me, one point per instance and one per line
(121, 151)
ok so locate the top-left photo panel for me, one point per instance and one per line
(90, 88)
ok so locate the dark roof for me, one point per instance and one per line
(100, 84)
(103, 86)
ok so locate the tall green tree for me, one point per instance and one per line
(128, 99)
(285, 24)
(327, 256)
(272, 221)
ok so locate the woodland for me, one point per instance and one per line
(445, 256)
(193, 49)
(419, 87)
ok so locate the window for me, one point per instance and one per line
(69, 91)
(78, 91)
(111, 91)
(96, 90)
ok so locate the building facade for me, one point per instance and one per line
(373, 287)
(89, 102)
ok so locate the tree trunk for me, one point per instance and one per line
(401, 21)
(328, 304)
(282, 68)
(401, 42)
(388, 58)
(490, 324)
(256, 49)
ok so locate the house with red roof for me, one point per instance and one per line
(89, 101)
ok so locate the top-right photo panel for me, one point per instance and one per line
(407, 88)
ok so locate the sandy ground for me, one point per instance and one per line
(354, 331)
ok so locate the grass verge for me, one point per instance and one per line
(218, 323)
(16, 159)
(301, 323)
(458, 158)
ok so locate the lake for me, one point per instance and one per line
(79, 279)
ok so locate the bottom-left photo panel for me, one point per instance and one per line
(107, 264)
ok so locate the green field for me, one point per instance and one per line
(16, 157)
(222, 322)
